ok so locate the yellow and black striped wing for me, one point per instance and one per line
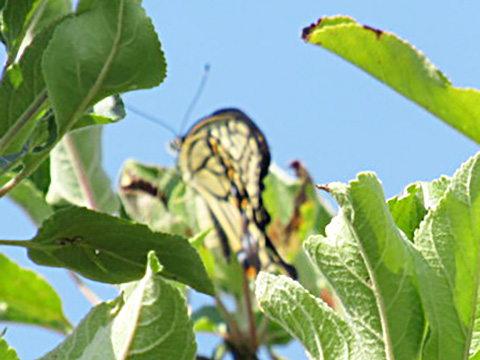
(225, 158)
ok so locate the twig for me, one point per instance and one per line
(262, 329)
(84, 289)
(23, 174)
(236, 334)
(250, 316)
(22, 121)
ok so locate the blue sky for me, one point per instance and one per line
(310, 104)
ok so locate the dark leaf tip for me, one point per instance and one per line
(309, 29)
(324, 188)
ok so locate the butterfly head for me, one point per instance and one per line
(175, 145)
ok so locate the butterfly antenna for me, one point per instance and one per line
(201, 87)
(151, 118)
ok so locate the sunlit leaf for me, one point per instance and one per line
(388, 256)
(321, 331)
(409, 208)
(399, 65)
(109, 49)
(17, 98)
(25, 297)
(7, 352)
(339, 258)
(77, 176)
(449, 268)
(149, 321)
(22, 20)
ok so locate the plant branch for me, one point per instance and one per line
(262, 329)
(10, 184)
(236, 334)
(84, 289)
(23, 174)
(250, 316)
(22, 121)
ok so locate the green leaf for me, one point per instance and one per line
(113, 250)
(409, 209)
(276, 334)
(339, 258)
(32, 200)
(25, 297)
(389, 258)
(279, 194)
(41, 177)
(22, 20)
(116, 49)
(297, 211)
(399, 65)
(208, 319)
(106, 111)
(149, 321)
(7, 352)
(109, 49)
(321, 331)
(449, 268)
(158, 197)
(476, 356)
(20, 98)
(30, 193)
(77, 176)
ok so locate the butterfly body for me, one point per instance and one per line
(225, 158)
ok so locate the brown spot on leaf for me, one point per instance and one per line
(308, 30)
(327, 296)
(377, 32)
(73, 240)
(147, 187)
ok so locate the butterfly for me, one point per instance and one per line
(225, 157)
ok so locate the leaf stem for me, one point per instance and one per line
(79, 170)
(22, 243)
(22, 121)
(262, 329)
(84, 289)
(236, 334)
(24, 173)
(250, 317)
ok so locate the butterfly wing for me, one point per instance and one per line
(225, 158)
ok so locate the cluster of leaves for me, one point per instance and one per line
(59, 85)
(159, 198)
(404, 271)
